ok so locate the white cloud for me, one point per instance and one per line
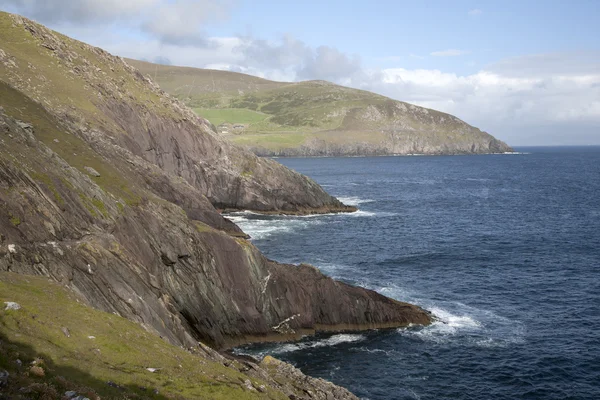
(169, 21)
(504, 104)
(449, 53)
(58, 11)
(475, 12)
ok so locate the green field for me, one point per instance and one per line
(231, 115)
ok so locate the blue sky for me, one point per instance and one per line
(382, 32)
(526, 71)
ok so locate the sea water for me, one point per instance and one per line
(503, 249)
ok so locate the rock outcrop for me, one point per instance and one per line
(109, 187)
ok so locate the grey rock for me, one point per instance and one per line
(248, 385)
(4, 375)
(66, 332)
(10, 305)
(92, 171)
(70, 394)
(25, 125)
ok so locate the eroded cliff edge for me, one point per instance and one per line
(109, 104)
(109, 186)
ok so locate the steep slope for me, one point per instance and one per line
(133, 232)
(315, 117)
(51, 344)
(109, 103)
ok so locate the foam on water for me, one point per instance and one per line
(455, 322)
(354, 200)
(260, 226)
(311, 343)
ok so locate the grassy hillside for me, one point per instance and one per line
(315, 117)
(54, 344)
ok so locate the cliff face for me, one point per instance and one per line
(107, 186)
(389, 128)
(109, 104)
(317, 118)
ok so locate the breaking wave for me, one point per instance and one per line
(354, 200)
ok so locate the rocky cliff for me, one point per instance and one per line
(317, 118)
(112, 106)
(109, 187)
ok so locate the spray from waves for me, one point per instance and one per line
(354, 200)
(455, 323)
(260, 226)
(311, 343)
(468, 326)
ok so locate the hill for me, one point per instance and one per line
(110, 187)
(316, 118)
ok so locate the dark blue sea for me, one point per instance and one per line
(503, 249)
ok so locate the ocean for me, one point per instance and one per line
(503, 249)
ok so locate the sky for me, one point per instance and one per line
(528, 72)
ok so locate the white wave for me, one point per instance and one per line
(261, 227)
(334, 340)
(330, 341)
(361, 213)
(354, 200)
(469, 327)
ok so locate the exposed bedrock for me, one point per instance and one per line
(148, 260)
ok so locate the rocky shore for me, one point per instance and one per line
(110, 188)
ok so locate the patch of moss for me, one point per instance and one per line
(202, 227)
(46, 181)
(16, 221)
(99, 204)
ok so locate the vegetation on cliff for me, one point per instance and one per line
(109, 187)
(52, 346)
(316, 117)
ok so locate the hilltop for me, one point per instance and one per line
(315, 118)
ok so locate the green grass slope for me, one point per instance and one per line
(315, 117)
(103, 356)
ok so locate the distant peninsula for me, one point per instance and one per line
(316, 118)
